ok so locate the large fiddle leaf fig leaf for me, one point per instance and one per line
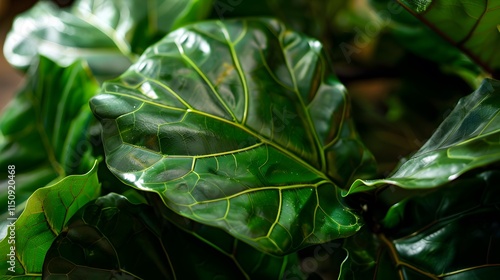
(109, 34)
(47, 211)
(472, 26)
(239, 125)
(45, 130)
(111, 237)
(451, 233)
(467, 139)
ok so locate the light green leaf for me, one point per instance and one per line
(470, 25)
(451, 233)
(239, 125)
(45, 130)
(46, 213)
(467, 139)
(109, 34)
(111, 237)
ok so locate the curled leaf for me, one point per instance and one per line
(467, 139)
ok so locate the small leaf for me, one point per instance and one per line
(47, 211)
(470, 25)
(467, 139)
(106, 33)
(451, 233)
(111, 237)
(239, 125)
(44, 131)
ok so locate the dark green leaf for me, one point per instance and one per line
(107, 33)
(420, 39)
(467, 139)
(46, 213)
(240, 125)
(111, 237)
(253, 264)
(451, 233)
(44, 130)
(472, 26)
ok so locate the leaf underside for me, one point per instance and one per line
(467, 139)
(470, 25)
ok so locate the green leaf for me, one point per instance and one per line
(239, 125)
(44, 129)
(467, 139)
(451, 233)
(47, 211)
(107, 33)
(252, 263)
(111, 237)
(421, 40)
(470, 25)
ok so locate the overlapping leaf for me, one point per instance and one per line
(111, 237)
(46, 213)
(467, 139)
(470, 25)
(240, 125)
(45, 130)
(452, 233)
(107, 34)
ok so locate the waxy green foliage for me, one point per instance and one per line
(472, 26)
(111, 237)
(44, 130)
(450, 233)
(240, 125)
(467, 139)
(234, 143)
(47, 211)
(108, 34)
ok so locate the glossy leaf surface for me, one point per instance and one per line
(240, 125)
(467, 139)
(470, 25)
(107, 33)
(451, 233)
(46, 213)
(111, 237)
(44, 131)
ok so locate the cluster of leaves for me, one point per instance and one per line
(208, 139)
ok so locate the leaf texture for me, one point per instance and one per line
(470, 25)
(45, 129)
(467, 139)
(240, 125)
(46, 213)
(111, 237)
